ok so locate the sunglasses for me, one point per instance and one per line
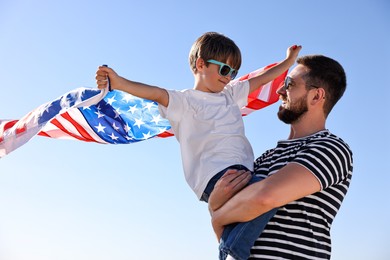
(224, 69)
(288, 82)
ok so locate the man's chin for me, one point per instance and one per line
(282, 108)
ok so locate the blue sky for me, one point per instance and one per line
(72, 200)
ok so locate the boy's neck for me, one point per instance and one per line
(199, 85)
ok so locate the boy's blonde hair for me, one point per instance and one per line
(216, 46)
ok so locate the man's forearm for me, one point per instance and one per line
(245, 206)
(292, 182)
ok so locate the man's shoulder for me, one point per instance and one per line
(327, 138)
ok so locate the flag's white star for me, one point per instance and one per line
(40, 111)
(47, 108)
(79, 98)
(132, 109)
(139, 122)
(100, 128)
(115, 127)
(65, 102)
(117, 112)
(114, 137)
(127, 128)
(156, 119)
(111, 100)
(146, 136)
(99, 114)
(127, 97)
(162, 130)
(149, 105)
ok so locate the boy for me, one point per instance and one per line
(206, 120)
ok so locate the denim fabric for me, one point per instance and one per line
(238, 238)
(210, 186)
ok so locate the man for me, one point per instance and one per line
(308, 174)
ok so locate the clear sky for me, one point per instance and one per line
(73, 200)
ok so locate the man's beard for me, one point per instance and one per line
(294, 112)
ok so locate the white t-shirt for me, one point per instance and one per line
(210, 130)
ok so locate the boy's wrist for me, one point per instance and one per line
(290, 61)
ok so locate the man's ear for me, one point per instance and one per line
(320, 95)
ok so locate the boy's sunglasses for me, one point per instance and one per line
(224, 69)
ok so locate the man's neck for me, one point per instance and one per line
(306, 127)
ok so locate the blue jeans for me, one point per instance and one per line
(238, 238)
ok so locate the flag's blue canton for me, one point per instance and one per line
(49, 111)
(54, 108)
(122, 118)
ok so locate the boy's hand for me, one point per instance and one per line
(292, 52)
(102, 75)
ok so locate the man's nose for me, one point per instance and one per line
(281, 90)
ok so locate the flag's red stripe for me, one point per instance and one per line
(42, 133)
(10, 124)
(7, 126)
(165, 134)
(62, 128)
(86, 138)
(79, 128)
(20, 130)
(256, 104)
(255, 93)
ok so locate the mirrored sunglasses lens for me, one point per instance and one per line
(287, 82)
(224, 70)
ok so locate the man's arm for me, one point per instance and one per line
(290, 183)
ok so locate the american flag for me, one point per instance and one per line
(114, 117)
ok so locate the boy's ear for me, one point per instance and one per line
(200, 64)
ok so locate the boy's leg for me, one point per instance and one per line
(210, 185)
(237, 239)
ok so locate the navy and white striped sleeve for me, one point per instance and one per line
(329, 159)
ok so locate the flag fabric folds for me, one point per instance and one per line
(114, 117)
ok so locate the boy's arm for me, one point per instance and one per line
(270, 74)
(138, 89)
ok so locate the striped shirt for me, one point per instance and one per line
(301, 229)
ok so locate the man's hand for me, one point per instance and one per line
(230, 183)
(218, 229)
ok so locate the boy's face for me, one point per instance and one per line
(224, 69)
(210, 79)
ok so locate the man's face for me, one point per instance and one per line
(293, 97)
(292, 111)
